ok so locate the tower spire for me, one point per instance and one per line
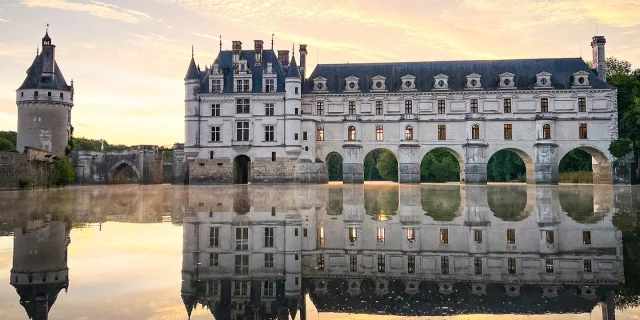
(192, 52)
(220, 43)
(46, 31)
(273, 34)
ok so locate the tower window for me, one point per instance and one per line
(477, 236)
(441, 108)
(379, 108)
(304, 135)
(546, 131)
(295, 136)
(550, 237)
(582, 104)
(353, 235)
(319, 133)
(408, 106)
(408, 133)
(442, 132)
(351, 133)
(296, 90)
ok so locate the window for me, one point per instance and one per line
(240, 288)
(273, 158)
(441, 109)
(444, 236)
(550, 237)
(444, 265)
(586, 237)
(475, 132)
(35, 94)
(380, 262)
(242, 106)
(474, 105)
(296, 90)
(351, 133)
(304, 232)
(477, 265)
(379, 133)
(380, 235)
(268, 288)
(353, 235)
(408, 106)
(408, 133)
(270, 85)
(379, 109)
(242, 238)
(442, 132)
(411, 264)
(549, 265)
(216, 85)
(411, 235)
(587, 266)
(511, 264)
(304, 135)
(353, 262)
(242, 85)
(321, 261)
(268, 259)
(215, 134)
(477, 236)
(507, 105)
(213, 287)
(320, 237)
(320, 108)
(352, 107)
(544, 104)
(215, 110)
(582, 104)
(242, 264)
(214, 234)
(213, 259)
(546, 131)
(269, 109)
(49, 94)
(269, 134)
(268, 237)
(583, 131)
(320, 133)
(295, 232)
(508, 133)
(295, 136)
(242, 131)
(511, 236)
(210, 157)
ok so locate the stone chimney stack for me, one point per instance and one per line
(303, 60)
(236, 47)
(258, 44)
(599, 58)
(283, 57)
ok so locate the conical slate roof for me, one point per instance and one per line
(35, 80)
(293, 71)
(192, 73)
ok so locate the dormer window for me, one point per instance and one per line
(408, 83)
(581, 79)
(269, 68)
(351, 84)
(543, 80)
(378, 84)
(242, 66)
(319, 84)
(441, 82)
(507, 81)
(473, 81)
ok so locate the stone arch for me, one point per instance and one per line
(124, 172)
(334, 176)
(369, 156)
(600, 164)
(526, 158)
(241, 169)
(455, 154)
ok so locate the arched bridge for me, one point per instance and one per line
(138, 165)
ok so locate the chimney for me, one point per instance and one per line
(258, 52)
(303, 60)
(236, 47)
(283, 57)
(599, 58)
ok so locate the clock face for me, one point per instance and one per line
(379, 84)
(407, 84)
(320, 86)
(352, 85)
(441, 83)
(474, 82)
(581, 80)
(507, 82)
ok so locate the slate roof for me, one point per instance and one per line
(35, 79)
(293, 71)
(192, 73)
(525, 71)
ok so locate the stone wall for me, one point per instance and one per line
(264, 170)
(179, 167)
(211, 171)
(99, 167)
(167, 172)
(26, 170)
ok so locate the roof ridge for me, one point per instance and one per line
(446, 61)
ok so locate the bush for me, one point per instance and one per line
(6, 145)
(620, 148)
(63, 174)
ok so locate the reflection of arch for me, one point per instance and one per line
(528, 163)
(241, 169)
(381, 202)
(372, 159)
(123, 172)
(579, 204)
(600, 164)
(335, 201)
(333, 163)
(442, 204)
(509, 203)
(440, 175)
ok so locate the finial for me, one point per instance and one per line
(220, 43)
(47, 29)
(273, 34)
(37, 50)
(192, 52)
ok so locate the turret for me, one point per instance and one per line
(293, 108)
(191, 88)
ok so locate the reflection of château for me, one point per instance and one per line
(255, 253)
(40, 270)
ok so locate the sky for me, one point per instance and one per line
(128, 58)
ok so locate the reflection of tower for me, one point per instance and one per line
(40, 265)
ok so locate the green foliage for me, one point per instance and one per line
(387, 166)
(371, 173)
(575, 177)
(6, 145)
(439, 166)
(24, 183)
(381, 201)
(508, 203)
(616, 66)
(579, 205)
(442, 204)
(11, 136)
(84, 144)
(574, 161)
(334, 167)
(505, 166)
(620, 148)
(63, 174)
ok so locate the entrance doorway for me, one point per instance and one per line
(241, 167)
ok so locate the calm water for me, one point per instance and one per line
(320, 252)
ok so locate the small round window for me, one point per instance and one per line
(474, 82)
(581, 80)
(407, 84)
(320, 85)
(507, 82)
(441, 83)
(352, 85)
(379, 84)
(543, 81)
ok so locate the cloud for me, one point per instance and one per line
(93, 7)
(4, 20)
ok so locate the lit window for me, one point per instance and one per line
(444, 236)
(586, 237)
(511, 236)
(546, 131)
(351, 133)
(411, 235)
(320, 133)
(320, 108)
(508, 133)
(507, 105)
(353, 235)
(550, 237)
(379, 133)
(477, 236)
(408, 133)
(442, 132)
(320, 236)
(475, 132)
(380, 235)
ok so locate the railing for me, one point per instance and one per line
(352, 117)
(409, 117)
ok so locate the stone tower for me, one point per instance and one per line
(44, 104)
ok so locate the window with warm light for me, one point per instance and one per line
(408, 133)
(351, 133)
(320, 133)
(546, 131)
(380, 234)
(475, 132)
(353, 235)
(379, 132)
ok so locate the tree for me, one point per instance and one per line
(387, 166)
(63, 174)
(439, 166)
(505, 166)
(576, 160)
(617, 66)
(371, 173)
(6, 145)
(84, 144)
(334, 167)
(11, 136)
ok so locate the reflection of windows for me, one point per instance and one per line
(444, 236)
(242, 264)
(477, 265)
(241, 288)
(351, 133)
(587, 265)
(411, 264)
(213, 287)
(477, 236)
(380, 262)
(444, 265)
(320, 237)
(549, 265)
(213, 259)
(511, 236)
(353, 235)
(268, 260)
(511, 263)
(549, 237)
(586, 237)
(380, 235)
(214, 234)
(321, 261)
(442, 132)
(268, 289)
(268, 237)
(353, 262)
(379, 133)
(411, 235)
(242, 238)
